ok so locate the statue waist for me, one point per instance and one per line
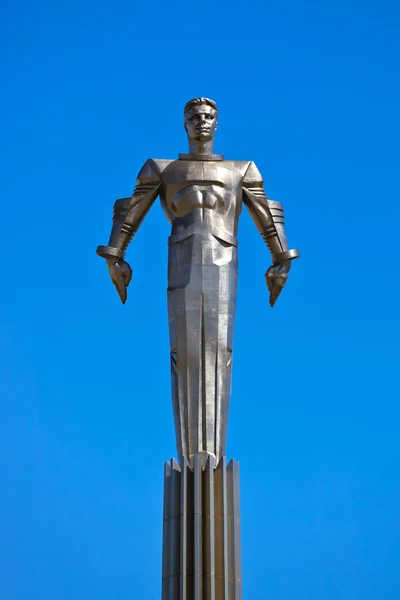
(201, 229)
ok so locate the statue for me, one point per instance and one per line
(202, 195)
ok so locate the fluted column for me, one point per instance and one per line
(201, 533)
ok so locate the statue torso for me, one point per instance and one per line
(204, 195)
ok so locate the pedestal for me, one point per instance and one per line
(201, 532)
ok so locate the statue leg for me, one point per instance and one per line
(202, 281)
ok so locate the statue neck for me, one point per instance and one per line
(196, 147)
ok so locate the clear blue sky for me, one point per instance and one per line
(309, 91)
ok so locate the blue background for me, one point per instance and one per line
(309, 91)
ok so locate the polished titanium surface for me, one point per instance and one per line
(201, 533)
(202, 196)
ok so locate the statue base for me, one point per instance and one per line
(201, 531)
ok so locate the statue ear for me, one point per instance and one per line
(185, 127)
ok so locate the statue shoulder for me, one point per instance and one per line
(252, 176)
(248, 170)
(151, 170)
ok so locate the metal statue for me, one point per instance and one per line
(202, 195)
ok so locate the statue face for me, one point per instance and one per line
(201, 122)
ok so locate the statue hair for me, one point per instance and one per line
(197, 101)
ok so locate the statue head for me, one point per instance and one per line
(201, 119)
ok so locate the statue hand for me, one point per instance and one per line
(121, 275)
(276, 278)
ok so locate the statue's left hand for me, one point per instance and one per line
(276, 278)
(121, 275)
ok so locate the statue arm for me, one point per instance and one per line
(268, 217)
(128, 214)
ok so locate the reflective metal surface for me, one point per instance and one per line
(201, 534)
(202, 196)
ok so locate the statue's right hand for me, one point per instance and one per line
(121, 275)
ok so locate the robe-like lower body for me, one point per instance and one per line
(202, 285)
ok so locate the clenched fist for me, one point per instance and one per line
(121, 275)
(276, 278)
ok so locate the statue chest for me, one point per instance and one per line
(189, 185)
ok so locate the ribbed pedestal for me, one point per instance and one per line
(201, 535)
